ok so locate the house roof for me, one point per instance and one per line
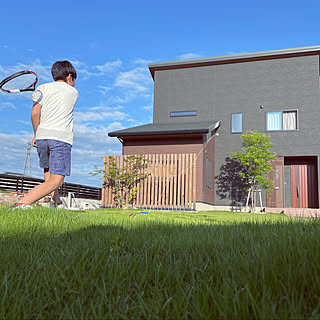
(167, 128)
(235, 58)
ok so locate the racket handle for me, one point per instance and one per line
(14, 91)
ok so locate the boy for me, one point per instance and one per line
(52, 121)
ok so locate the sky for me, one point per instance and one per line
(111, 43)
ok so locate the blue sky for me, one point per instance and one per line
(111, 43)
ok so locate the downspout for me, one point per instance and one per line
(121, 140)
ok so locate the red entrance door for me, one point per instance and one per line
(304, 186)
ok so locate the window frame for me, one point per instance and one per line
(282, 112)
(237, 132)
(184, 113)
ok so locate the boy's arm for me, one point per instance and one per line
(35, 119)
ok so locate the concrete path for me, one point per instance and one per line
(296, 212)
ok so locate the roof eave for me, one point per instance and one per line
(236, 58)
(149, 133)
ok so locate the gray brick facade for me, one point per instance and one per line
(216, 92)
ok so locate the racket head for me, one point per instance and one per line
(21, 81)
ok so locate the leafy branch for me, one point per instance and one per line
(123, 180)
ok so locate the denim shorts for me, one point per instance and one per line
(54, 155)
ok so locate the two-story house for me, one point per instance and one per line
(204, 105)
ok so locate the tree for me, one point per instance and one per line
(256, 157)
(123, 180)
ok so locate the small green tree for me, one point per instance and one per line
(256, 157)
(123, 180)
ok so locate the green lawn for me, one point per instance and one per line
(106, 264)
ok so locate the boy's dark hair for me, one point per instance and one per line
(61, 69)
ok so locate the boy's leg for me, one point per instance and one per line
(56, 155)
(55, 194)
(43, 189)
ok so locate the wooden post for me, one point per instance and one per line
(183, 180)
(179, 181)
(186, 201)
(194, 184)
(175, 180)
(136, 200)
(156, 187)
(153, 176)
(190, 182)
(145, 170)
(104, 188)
(171, 180)
(160, 181)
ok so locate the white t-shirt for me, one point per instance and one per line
(57, 101)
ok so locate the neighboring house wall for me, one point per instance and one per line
(215, 92)
(175, 145)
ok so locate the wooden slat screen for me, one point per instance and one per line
(170, 185)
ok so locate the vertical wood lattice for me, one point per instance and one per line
(170, 184)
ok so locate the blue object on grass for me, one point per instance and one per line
(144, 212)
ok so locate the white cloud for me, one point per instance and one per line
(138, 80)
(27, 123)
(13, 149)
(43, 71)
(92, 133)
(7, 105)
(95, 137)
(82, 69)
(98, 116)
(109, 66)
(147, 107)
(141, 61)
(91, 144)
(115, 126)
(104, 90)
(188, 56)
(105, 108)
